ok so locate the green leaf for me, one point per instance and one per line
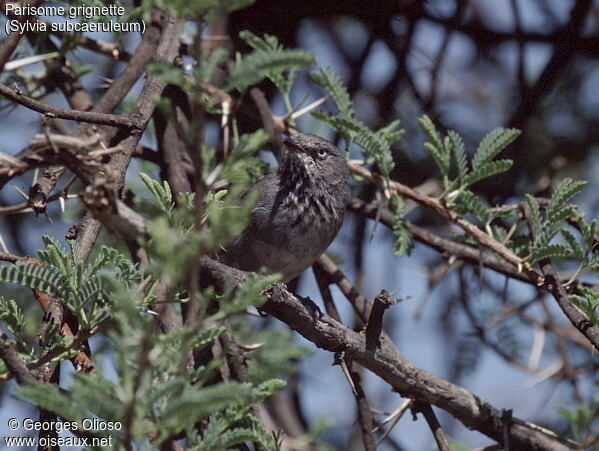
(459, 153)
(248, 144)
(267, 388)
(170, 74)
(12, 316)
(564, 191)
(43, 278)
(54, 255)
(225, 428)
(534, 210)
(373, 144)
(193, 405)
(488, 170)
(549, 251)
(270, 44)
(258, 65)
(345, 126)
(473, 205)
(229, 439)
(207, 336)
(333, 84)
(216, 437)
(564, 213)
(274, 358)
(545, 234)
(404, 242)
(127, 270)
(435, 146)
(162, 192)
(97, 395)
(589, 305)
(47, 397)
(91, 290)
(391, 133)
(209, 63)
(591, 293)
(579, 420)
(246, 295)
(267, 43)
(574, 244)
(588, 231)
(492, 144)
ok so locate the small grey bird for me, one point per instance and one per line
(299, 211)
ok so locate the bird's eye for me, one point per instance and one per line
(322, 152)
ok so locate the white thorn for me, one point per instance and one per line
(3, 245)
(20, 191)
(309, 108)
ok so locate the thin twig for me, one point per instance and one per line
(433, 424)
(13, 362)
(449, 214)
(113, 120)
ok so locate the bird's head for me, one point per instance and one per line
(318, 158)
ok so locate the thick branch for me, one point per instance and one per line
(387, 363)
(404, 377)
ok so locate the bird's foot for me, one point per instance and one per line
(312, 307)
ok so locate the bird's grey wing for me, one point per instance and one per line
(260, 241)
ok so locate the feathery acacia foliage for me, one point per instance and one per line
(199, 380)
(172, 402)
(376, 146)
(79, 286)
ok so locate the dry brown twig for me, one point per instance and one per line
(447, 213)
(113, 120)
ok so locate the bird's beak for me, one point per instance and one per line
(292, 145)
